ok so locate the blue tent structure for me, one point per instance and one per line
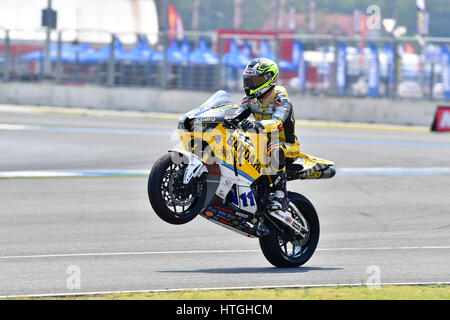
(266, 52)
(33, 56)
(72, 52)
(85, 54)
(157, 56)
(175, 55)
(236, 58)
(39, 55)
(247, 49)
(69, 53)
(92, 56)
(185, 47)
(142, 65)
(203, 55)
(142, 52)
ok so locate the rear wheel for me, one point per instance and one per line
(172, 200)
(288, 254)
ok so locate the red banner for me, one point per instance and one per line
(442, 119)
(172, 22)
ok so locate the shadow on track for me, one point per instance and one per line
(270, 270)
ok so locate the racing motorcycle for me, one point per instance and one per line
(222, 174)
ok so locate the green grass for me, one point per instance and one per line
(430, 292)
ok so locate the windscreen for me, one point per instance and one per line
(219, 99)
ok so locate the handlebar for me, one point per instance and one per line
(230, 124)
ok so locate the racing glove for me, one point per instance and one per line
(254, 125)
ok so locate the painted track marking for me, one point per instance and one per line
(168, 133)
(145, 172)
(144, 253)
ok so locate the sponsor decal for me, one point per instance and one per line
(221, 193)
(243, 151)
(205, 119)
(225, 222)
(224, 153)
(315, 175)
(442, 119)
(223, 209)
(242, 215)
(209, 213)
(224, 214)
(277, 180)
(296, 225)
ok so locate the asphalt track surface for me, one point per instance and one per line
(105, 228)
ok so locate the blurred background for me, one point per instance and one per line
(365, 78)
(346, 48)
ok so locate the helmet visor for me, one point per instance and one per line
(254, 82)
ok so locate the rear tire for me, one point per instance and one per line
(164, 193)
(275, 249)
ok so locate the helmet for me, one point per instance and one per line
(260, 76)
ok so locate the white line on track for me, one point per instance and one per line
(140, 172)
(70, 173)
(144, 253)
(293, 286)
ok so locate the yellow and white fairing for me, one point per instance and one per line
(242, 156)
(237, 155)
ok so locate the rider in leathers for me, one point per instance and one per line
(270, 105)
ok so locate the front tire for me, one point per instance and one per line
(171, 200)
(284, 254)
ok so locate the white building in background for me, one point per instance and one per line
(83, 20)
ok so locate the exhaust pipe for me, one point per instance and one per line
(327, 173)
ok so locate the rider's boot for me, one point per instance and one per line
(280, 199)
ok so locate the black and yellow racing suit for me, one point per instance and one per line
(275, 108)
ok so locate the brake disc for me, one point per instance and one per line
(179, 192)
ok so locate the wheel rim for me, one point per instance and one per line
(297, 248)
(177, 196)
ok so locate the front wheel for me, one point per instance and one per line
(172, 200)
(289, 254)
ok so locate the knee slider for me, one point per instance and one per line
(277, 157)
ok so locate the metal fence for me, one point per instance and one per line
(310, 64)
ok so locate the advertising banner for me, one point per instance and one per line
(445, 71)
(373, 79)
(341, 69)
(299, 59)
(441, 119)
